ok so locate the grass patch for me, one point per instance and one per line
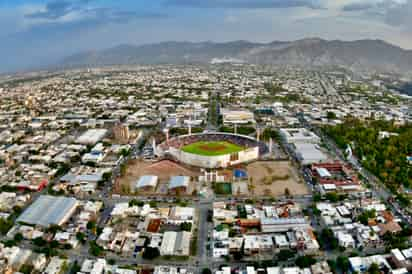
(212, 148)
(222, 188)
(193, 246)
(175, 258)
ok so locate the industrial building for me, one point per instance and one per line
(237, 116)
(146, 183)
(175, 243)
(299, 135)
(49, 210)
(308, 153)
(270, 225)
(91, 136)
(179, 184)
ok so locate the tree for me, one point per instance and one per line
(153, 204)
(39, 241)
(18, 237)
(206, 271)
(5, 225)
(150, 253)
(316, 197)
(305, 261)
(91, 225)
(328, 240)
(237, 256)
(287, 192)
(331, 115)
(343, 263)
(285, 254)
(186, 226)
(106, 176)
(81, 237)
(135, 202)
(332, 197)
(75, 268)
(374, 269)
(95, 249)
(366, 215)
(26, 269)
(53, 229)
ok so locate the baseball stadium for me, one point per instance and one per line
(213, 150)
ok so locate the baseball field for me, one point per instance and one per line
(212, 148)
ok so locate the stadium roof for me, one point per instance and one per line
(48, 210)
(179, 181)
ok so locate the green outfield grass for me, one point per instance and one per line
(212, 148)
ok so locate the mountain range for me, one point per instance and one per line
(359, 55)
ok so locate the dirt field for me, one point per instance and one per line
(163, 169)
(272, 178)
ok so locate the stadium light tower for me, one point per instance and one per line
(258, 132)
(166, 132)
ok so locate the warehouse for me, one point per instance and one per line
(175, 243)
(91, 136)
(49, 210)
(308, 153)
(299, 135)
(146, 183)
(179, 184)
(271, 225)
(237, 116)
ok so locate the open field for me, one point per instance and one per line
(163, 169)
(212, 148)
(272, 178)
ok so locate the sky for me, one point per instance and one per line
(34, 33)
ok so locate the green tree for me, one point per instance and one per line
(18, 237)
(75, 268)
(343, 263)
(374, 269)
(331, 115)
(95, 249)
(206, 271)
(366, 215)
(150, 253)
(81, 237)
(5, 225)
(305, 261)
(285, 254)
(91, 225)
(186, 226)
(135, 202)
(39, 241)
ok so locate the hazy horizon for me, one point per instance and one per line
(41, 32)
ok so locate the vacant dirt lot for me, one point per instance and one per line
(163, 169)
(272, 178)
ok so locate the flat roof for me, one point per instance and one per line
(323, 172)
(147, 180)
(91, 136)
(48, 210)
(179, 181)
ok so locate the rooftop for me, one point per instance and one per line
(48, 210)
